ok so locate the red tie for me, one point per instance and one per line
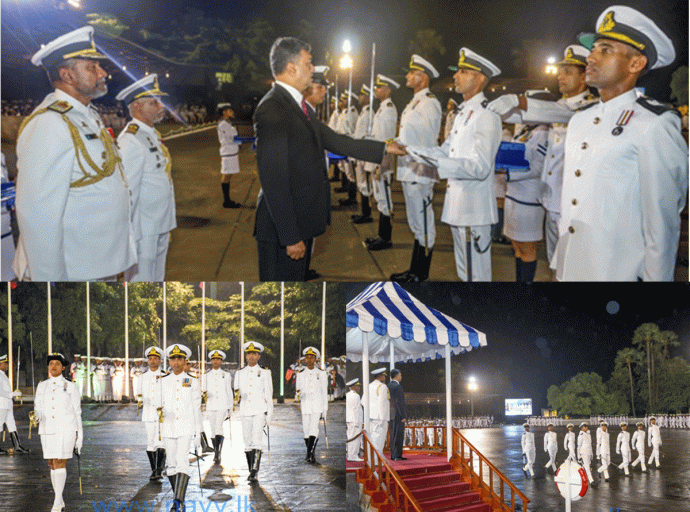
(305, 109)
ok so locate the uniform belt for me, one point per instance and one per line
(521, 202)
(234, 154)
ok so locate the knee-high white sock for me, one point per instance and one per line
(58, 477)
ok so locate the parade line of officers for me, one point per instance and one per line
(174, 407)
(581, 450)
(607, 177)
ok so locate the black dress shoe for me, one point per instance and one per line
(400, 458)
(379, 244)
(405, 277)
(361, 219)
(311, 274)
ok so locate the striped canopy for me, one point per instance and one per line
(388, 314)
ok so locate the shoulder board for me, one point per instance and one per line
(485, 103)
(430, 95)
(301, 370)
(655, 107)
(132, 128)
(265, 368)
(585, 107)
(165, 375)
(60, 107)
(591, 97)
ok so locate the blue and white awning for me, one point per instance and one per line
(388, 314)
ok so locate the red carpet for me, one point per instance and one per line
(434, 484)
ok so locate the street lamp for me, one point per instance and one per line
(347, 63)
(551, 68)
(472, 386)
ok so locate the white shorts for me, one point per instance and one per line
(523, 222)
(230, 164)
(58, 446)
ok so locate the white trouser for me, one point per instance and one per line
(551, 232)
(353, 446)
(418, 198)
(7, 417)
(215, 421)
(382, 193)
(151, 254)
(253, 431)
(379, 429)
(152, 439)
(310, 424)
(177, 454)
(605, 462)
(552, 457)
(481, 262)
(640, 460)
(587, 463)
(655, 455)
(571, 455)
(530, 455)
(347, 168)
(626, 461)
(362, 180)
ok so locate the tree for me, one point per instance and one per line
(679, 86)
(428, 44)
(585, 394)
(645, 336)
(626, 358)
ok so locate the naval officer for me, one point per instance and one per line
(529, 450)
(623, 447)
(155, 449)
(354, 416)
(73, 202)
(7, 406)
(312, 386)
(379, 409)
(148, 167)
(467, 160)
(57, 408)
(229, 152)
(219, 397)
(254, 391)
(177, 397)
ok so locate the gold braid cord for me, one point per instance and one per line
(111, 157)
(168, 164)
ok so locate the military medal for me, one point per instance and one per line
(622, 121)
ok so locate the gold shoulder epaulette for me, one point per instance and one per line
(132, 128)
(60, 107)
(430, 95)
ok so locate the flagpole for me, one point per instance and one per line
(9, 330)
(370, 124)
(126, 340)
(88, 340)
(323, 328)
(165, 316)
(282, 340)
(241, 325)
(202, 357)
(50, 321)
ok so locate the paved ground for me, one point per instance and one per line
(666, 489)
(115, 469)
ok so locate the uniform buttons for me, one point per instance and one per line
(549, 173)
(571, 229)
(578, 173)
(584, 145)
(103, 155)
(596, 120)
(574, 202)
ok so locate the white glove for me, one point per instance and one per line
(503, 104)
(197, 442)
(79, 441)
(16, 394)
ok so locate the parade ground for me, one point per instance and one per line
(666, 489)
(115, 469)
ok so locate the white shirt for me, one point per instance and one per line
(5, 392)
(347, 120)
(353, 408)
(654, 435)
(296, 95)
(313, 387)
(527, 441)
(525, 186)
(420, 124)
(68, 232)
(379, 401)
(218, 385)
(624, 185)
(569, 441)
(180, 396)
(362, 125)
(603, 447)
(638, 441)
(623, 442)
(550, 440)
(584, 443)
(58, 406)
(226, 136)
(148, 392)
(256, 390)
(384, 126)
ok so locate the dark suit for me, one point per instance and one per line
(294, 203)
(397, 427)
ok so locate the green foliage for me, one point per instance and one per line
(679, 86)
(106, 23)
(586, 394)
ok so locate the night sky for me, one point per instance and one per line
(543, 334)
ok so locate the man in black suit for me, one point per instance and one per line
(294, 204)
(397, 421)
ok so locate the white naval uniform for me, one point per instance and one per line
(7, 244)
(569, 444)
(529, 450)
(229, 149)
(604, 452)
(313, 388)
(6, 404)
(256, 403)
(361, 129)
(149, 415)
(219, 399)
(384, 128)
(551, 447)
(638, 444)
(524, 215)
(333, 121)
(552, 172)
(379, 413)
(467, 159)
(624, 185)
(70, 232)
(584, 452)
(354, 416)
(450, 117)
(118, 382)
(147, 166)
(347, 121)
(180, 397)
(420, 125)
(135, 376)
(623, 448)
(58, 408)
(654, 437)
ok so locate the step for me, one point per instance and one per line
(428, 479)
(437, 491)
(474, 507)
(441, 468)
(446, 502)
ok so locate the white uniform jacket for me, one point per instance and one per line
(379, 401)
(5, 392)
(219, 395)
(623, 442)
(550, 441)
(148, 393)
(333, 121)
(353, 408)
(58, 406)
(637, 443)
(226, 136)
(148, 168)
(603, 446)
(654, 435)
(362, 125)
(584, 444)
(313, 388)
(74, 223)
(624, 185)
(180, 396)
(525, 186)
(420, 124)
(527, 442)
(256, 390)
(347, 120)
(384, 127)
(467, 159)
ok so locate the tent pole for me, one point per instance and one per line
(449, 406)
(391, 347)
(365, 379)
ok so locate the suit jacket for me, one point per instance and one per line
(294, 203)
(397, 400)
